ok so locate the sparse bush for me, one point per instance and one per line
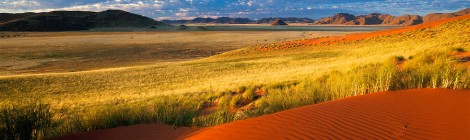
(25, 122)
(399, 58)
(241, 89)
(460, 49)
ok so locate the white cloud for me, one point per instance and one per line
(23, 3)
(18, 5)
(245, 8)
(105, 6)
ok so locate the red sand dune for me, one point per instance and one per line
(409, 114)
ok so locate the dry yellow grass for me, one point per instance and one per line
(34, 52)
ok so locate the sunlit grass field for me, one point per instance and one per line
(47, 52)
(243, 83)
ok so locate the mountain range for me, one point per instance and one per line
(73, 20)
(228, 20)
(340, 18)
(386, 19)
(85, 20)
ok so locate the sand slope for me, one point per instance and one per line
(409, 114)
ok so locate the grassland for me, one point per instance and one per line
(246, 82)
(36, 52)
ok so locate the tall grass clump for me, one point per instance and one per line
(31, 121)
(177, 111)
(433, 69)
(221, 116)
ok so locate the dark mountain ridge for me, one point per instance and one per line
(73, 20)
(229, 20)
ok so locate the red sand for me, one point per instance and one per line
(409, 114)
(412, 114)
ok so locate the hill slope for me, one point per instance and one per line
(439, 16)
(72, 20)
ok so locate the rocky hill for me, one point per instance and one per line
(73, 20)
(340, 18)
(371, 19)
(278, 22)
(386, 19)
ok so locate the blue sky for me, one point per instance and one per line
(253, 9)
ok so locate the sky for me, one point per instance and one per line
(253, 9)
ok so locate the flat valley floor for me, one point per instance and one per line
(52, 52)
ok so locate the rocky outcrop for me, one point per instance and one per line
(278, 22)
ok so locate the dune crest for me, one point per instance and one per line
(409, 114)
